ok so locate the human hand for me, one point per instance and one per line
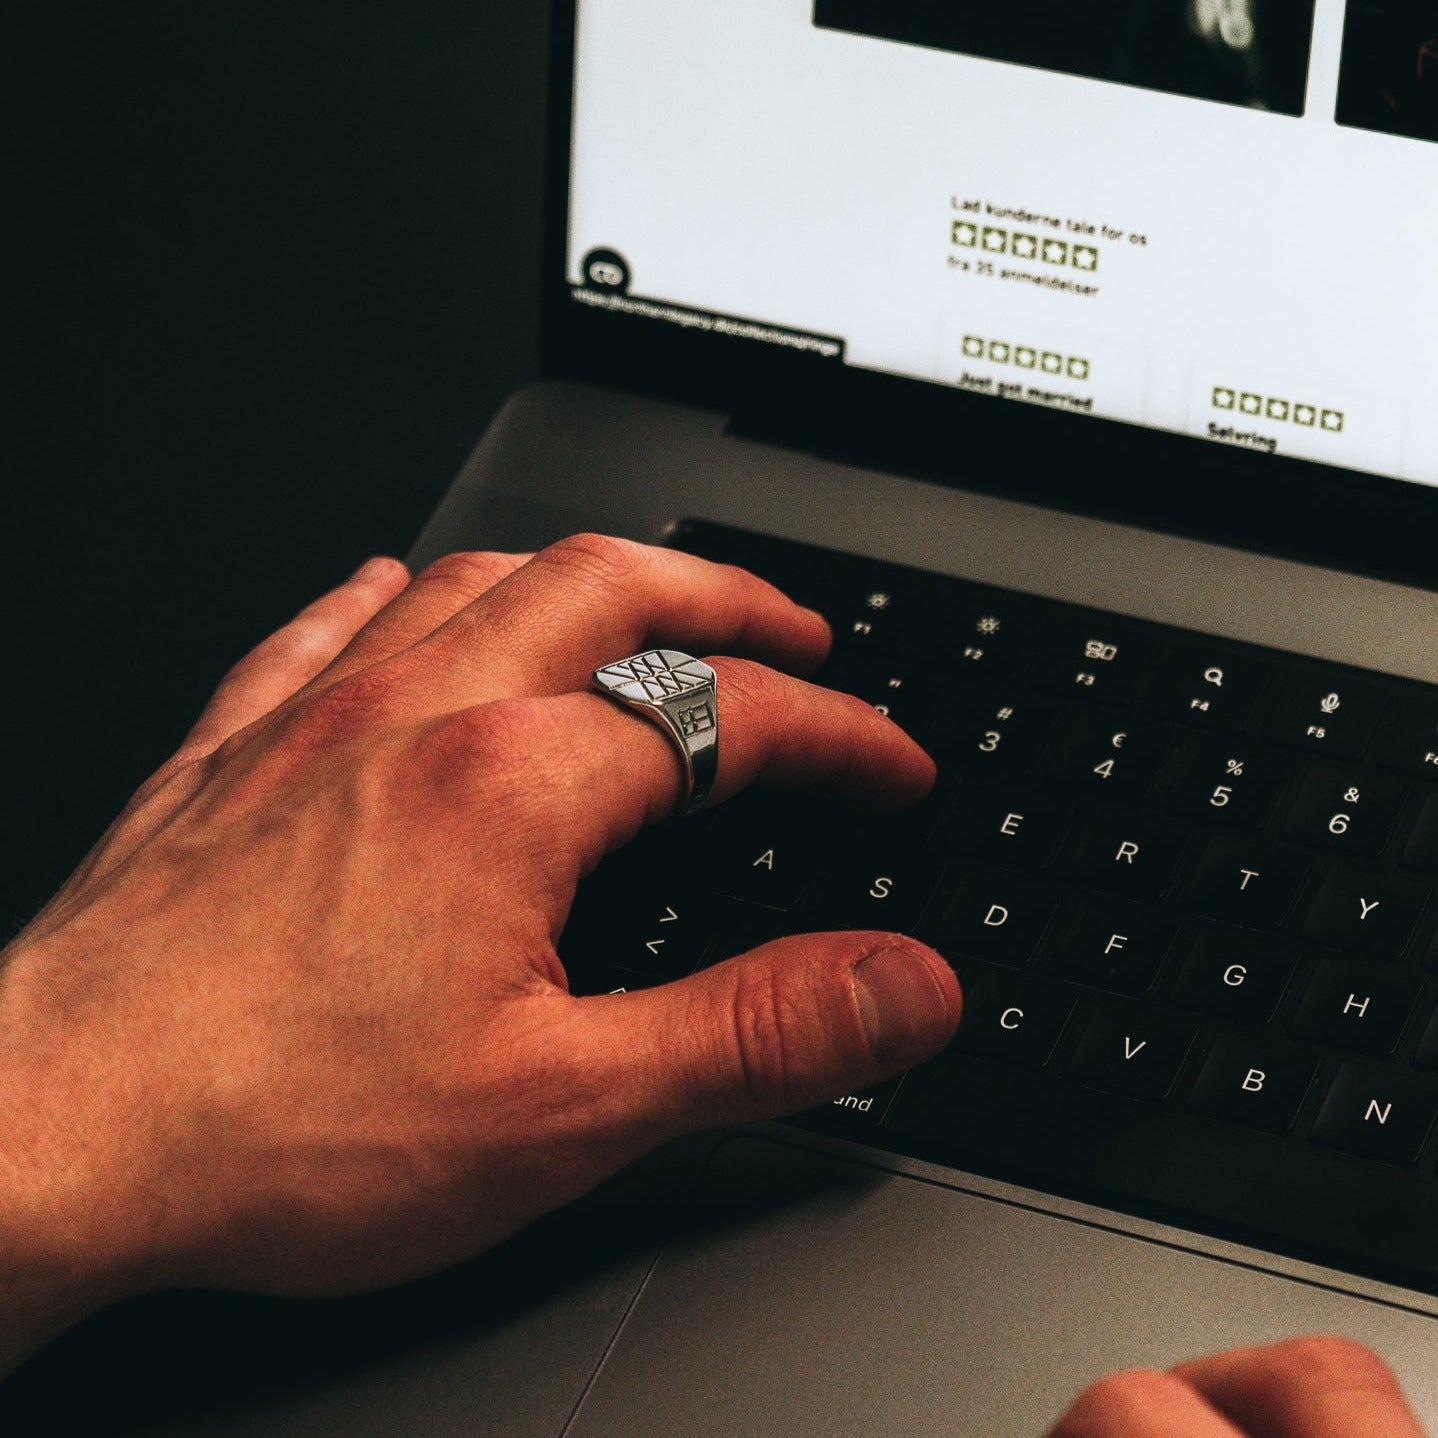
(1302, 1388)
(298, 1024)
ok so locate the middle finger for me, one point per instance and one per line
(773, 729)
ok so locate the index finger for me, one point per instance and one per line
(592, 600)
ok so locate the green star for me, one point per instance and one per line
(1223, 398)
(1025, 247)
(995, 241)
(1333, 421)
(1085, 257)
(1051, 363)
(1025, 357)
(1304, 414)
(1277, 409)
(1078, 369)
(973, 347)
(965, 234)
(1056, 252)
(1250, 403)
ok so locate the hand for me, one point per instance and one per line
(1304, 1388)
(298, 1024)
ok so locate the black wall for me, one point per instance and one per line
(277, 267)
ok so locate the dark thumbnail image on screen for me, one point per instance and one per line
(1234, 52)
(1389, 79)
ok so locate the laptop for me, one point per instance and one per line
(1074, 361)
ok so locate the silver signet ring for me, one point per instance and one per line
(679, 693)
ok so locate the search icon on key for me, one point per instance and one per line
(1214, 677)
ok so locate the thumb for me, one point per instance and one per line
(783, 1028)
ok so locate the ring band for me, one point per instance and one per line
(681, 695)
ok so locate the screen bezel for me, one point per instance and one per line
(1344, 519)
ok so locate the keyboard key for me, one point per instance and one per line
(1377, 1113)
(738, 927)
(763, 848)
(1254, 1082)
(1357, 1008)
(857, 1112)
(1100, 659)
(1421, 850)
(982, 633)
(1426, 1055)
(1327, 715)
(1011, 1018)
(1013, 829)
(1374, 913)
(1233, 976)
(660, 929)
(898, 691)
(1247, 882)
(1130, 854)
(1408, 737)
(1114, 946)
(1347, 812)
(1230, 782)
(992, 731)
(1204, 683)
(996, 917)
(1108, 756)
(885, 892)
(1132, 1050)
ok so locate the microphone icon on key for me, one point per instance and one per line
(1330, 703)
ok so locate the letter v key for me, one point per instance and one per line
(1132, 1050)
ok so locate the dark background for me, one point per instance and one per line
(277, 267)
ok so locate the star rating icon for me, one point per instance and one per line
(965, 234)
(1078, 369)
(1304, 414)
(1250, 403)
(1025, 247)
(996, 241)
(1333, 421)
(1056, 252)
(1224, 398)
(1085, 257)
(973, 347)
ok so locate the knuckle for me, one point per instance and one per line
(502, 729)
(763, 1022)
(1329, 1363)
(748, 685)
(1117, 1402)
(599, 560)
(344, 709)
(497, 745)
(466, 573)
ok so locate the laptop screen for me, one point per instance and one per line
(1217, 217)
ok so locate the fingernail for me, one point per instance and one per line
(370, 570)
(904, 1008)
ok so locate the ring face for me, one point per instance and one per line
(680, 693)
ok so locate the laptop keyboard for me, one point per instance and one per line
(1187, 885)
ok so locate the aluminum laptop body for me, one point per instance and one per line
(1127, 313)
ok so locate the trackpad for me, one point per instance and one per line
(821, 1297)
